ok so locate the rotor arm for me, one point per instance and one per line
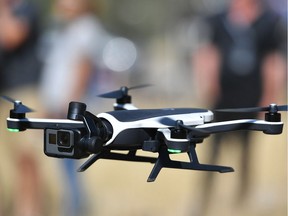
(15, 124)
(244, 124)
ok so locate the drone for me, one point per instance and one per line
(110, 135)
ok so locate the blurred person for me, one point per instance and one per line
(19, 73)
(241, 65)
(18, 36)
(72, 50)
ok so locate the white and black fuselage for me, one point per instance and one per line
(132, 127)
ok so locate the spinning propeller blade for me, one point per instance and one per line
(273, 108)
(115, 94)
(19, 108)
(140, 86)
(122, 92)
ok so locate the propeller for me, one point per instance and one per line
(122, 92)
(19, 108)
(178, 124)
(272, 108)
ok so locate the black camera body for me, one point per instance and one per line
(64, 143)
(76, 142)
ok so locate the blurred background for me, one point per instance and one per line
(194, 52)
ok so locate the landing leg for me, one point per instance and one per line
(162, 161)
(205, 167)
(165, 161)
(107, 154)
(89, 162)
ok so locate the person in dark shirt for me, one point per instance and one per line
(19, 64)
(241, 66)
(243, 48)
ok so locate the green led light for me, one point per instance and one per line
(174, 151)
(13, 130)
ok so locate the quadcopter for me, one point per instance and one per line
(164, 131)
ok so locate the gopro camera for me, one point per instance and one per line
(63, 143)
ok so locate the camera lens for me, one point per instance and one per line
(63, 138)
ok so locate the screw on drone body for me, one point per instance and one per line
(178, 131)
(178, 124)
(17, 102)
(272, 115)
(273, 108)
(124, 90)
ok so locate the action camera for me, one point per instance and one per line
(64, 143)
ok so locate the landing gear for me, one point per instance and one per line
(165, 161)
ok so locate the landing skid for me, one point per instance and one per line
(165, 161)
(107, 154)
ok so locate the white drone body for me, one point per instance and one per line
(163, 131)
(121, 123)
